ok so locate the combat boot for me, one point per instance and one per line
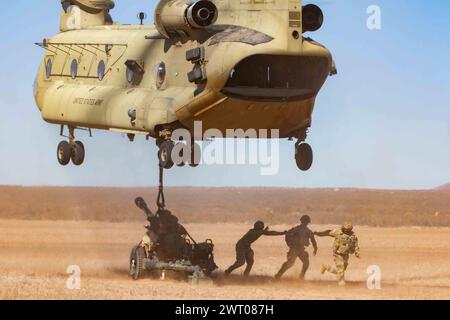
(324, 268)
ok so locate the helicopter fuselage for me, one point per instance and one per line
(252, 69)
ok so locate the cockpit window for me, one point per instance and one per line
(101, 70)
(74, 69)
(48, 68)
(67, 6)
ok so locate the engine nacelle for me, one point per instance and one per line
(91, 6)
(180, 18)
(80, 14)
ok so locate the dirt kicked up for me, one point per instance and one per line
(35, 255)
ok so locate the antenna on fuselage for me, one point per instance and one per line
(142, 16)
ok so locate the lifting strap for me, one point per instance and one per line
(161, 201)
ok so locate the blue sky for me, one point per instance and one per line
(383, 122)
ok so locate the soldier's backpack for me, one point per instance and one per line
(297, 237)
(290, 237)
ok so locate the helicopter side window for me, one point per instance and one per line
(74, 69)
(134, 72)
(160, 74)
(101, 70)
(130, 75)
(48, 68)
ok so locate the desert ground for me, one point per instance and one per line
(43, 231)
(35, 255)
(380, 208)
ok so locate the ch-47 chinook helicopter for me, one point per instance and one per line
(241, 64)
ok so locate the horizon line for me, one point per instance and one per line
(439, 188)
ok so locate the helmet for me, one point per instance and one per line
(305, 219)
(347, 226)
(259, 225)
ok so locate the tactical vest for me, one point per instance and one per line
(344, 244)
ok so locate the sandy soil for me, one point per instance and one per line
(34, 256)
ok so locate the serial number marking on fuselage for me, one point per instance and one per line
(88, 102)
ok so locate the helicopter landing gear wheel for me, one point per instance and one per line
(165, 154)
(181, 164)
(71, 150)
(178, 158)
(304, 156)
(64, 152)
(196, 152)
(78, 153)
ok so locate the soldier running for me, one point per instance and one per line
(298, 239)
(345, 244)
(244, 252)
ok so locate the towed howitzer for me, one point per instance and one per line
(141, 204)
(196, 260)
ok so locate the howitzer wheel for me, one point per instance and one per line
(165, 154)
(137, 262)
(196, 154)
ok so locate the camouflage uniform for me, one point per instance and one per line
(345, 244)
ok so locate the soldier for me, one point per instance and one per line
(244, 252)
(164, 233)
(298, 239)
(168, 222)
(151, 236)
(345, 244)
(171, 235)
